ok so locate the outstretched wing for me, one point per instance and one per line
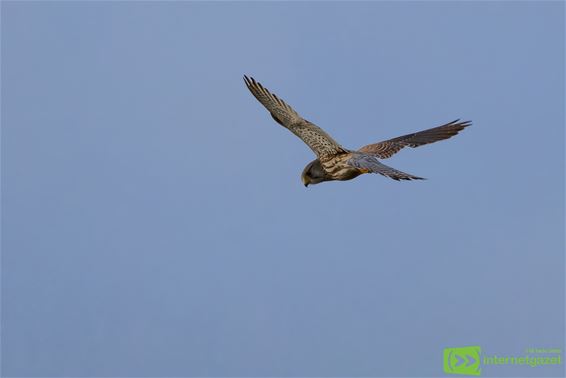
(370, 164)
(388, 148)
(317, 139)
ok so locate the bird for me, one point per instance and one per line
(334, 162)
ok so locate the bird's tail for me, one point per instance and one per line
(370, 164)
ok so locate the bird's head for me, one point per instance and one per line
(313, 173)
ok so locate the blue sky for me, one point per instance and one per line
(153, 218)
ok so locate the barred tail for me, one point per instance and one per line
(370, 164)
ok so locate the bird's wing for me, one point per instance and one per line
(317, 139)
(370, 164)
(388, 148)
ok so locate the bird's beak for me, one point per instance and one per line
(306, 184)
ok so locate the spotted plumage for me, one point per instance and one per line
(335, 162)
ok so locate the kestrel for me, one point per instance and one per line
(335, 162)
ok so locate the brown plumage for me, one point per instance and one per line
(388, 148)
(335, 162)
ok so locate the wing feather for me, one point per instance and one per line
(317, 139)
(388, 148)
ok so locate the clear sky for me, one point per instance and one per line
(153, 218)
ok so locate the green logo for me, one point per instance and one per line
(465, 360)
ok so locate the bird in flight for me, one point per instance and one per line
(334, 162)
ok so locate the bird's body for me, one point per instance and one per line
(334, 168)
(338, 167)
(335, 162)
